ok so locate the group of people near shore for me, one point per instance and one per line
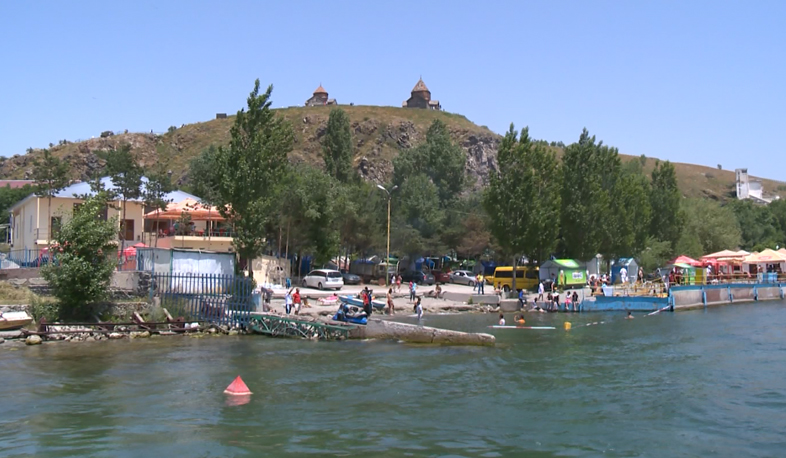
(551, 302)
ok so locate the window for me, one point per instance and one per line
(30, 227)
(54, 225)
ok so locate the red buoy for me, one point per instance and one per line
(237, 388)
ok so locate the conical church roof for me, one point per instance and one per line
(420, 87)
(320, 90)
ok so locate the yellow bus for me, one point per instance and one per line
(526, 278)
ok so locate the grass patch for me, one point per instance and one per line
(14, 295)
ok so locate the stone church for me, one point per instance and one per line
(320, 97)
(421, 98)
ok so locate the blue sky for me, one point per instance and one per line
(699, 81)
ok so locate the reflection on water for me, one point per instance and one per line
(685, 384)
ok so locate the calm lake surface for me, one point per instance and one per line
(700, 383)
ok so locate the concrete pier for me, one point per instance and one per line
(391, 330)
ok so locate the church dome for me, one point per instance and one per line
(420, 87)
(320, 90)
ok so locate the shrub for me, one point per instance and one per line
(44, 308)
(86, 255)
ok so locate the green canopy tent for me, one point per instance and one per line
(574, 273)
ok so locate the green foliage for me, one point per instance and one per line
(249, 171)
(44, 308)
(589, 172)
(310, 202)
(630, 214)
(361, 216)
(441, 160)
(708, 228)
(51, 176)
(655, 254)
(760, 227)
(203, 181)
(523, 199)
(126, 175)
(337, 147)
(86, 257)
(419, 209)
(665, 197)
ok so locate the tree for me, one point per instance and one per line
(523, 198)
(708, 227)
(310, 201)
(248, 173)
(51, 176)
(154, 192)
(655, 254)
(665, 197)
(585, 202)
(337, 147)
(86, 257)
(441, 160)
(758, 225)
(126, 176)
(418, 219)
(203, 179)
(630, 215)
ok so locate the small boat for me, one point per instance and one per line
(14, 320)
(359, 302)
(350, 314)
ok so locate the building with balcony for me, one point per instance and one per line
(31, 228)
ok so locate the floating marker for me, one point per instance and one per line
(567, 325)
(237, 388)
(496, 326)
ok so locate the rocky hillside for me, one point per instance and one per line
(379, 133)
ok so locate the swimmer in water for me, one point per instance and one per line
(519, 319)
(501, 319)
(629, 317)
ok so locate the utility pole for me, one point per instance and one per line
(387, 255)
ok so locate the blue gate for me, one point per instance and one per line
(218, 299)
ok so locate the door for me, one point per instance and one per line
(129, 230)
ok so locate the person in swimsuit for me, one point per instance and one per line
(419, 309)
(391, 308)
(519, 319)
(501, 319)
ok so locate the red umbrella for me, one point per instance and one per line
(685, 260)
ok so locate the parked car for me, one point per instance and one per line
(350, 279)
(440, 276)
(418, 277)
(463, 277)
(323, 278)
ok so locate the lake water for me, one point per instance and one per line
(700, 383)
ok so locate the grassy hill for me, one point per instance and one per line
(379, 133)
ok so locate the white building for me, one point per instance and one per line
(750, 189)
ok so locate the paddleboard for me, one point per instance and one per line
(496, 326)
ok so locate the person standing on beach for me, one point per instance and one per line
(419, 309)
(481, 284)
(288, 302)
(296, 300)
(541, 290)
(391, 308)
(413, 289)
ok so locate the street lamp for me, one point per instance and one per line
(387, 257)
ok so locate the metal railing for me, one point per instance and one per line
(220, 299)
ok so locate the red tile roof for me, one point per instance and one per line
(14, 184)
(320, 90)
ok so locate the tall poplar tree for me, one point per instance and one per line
(665, 198)
(51, 176)
(337, 147)
(523, 198)
(249, 172)
(585, 203)
(126, 175)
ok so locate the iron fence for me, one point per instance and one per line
(219, 299)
